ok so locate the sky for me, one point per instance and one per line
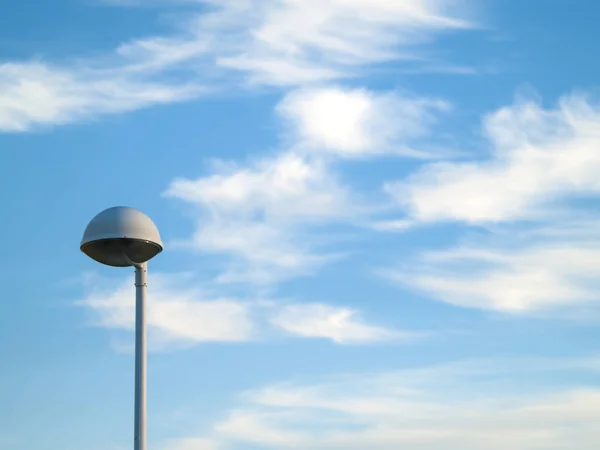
(379, 216)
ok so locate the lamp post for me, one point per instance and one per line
(125, 237)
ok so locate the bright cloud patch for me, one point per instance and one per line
(540, 158)
(289, 42)
(281, 42)
(35, 94)
(192, 444)
(257, 214)
(322, 321)
(176, 315)
(179, 316)
(554, 268)
(356, 122)
(457, 407)
(269, 214)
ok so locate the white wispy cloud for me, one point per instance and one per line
(540, 252)
(181, 314)
(269, 215)
(341, 325)
(539, 158)
(178, 314)
(289, 42)
(357, 122)
(457, 406)
(258, 214)
(147, 3)
(279, 42)
(194, 444)
(35, 94)
(156, 54)
(524, 271)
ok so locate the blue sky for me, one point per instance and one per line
(380, 221)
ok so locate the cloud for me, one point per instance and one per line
(357, 122)
(540, 158)
(258, 215)
(192, 444)
(272, 216)
(180, 314)
(539, 254)
(553, 269)
(281, 42)
(161, 53)
(462, 406)
(392, 225)
(288, 42)
(341, 325)
(148, 3)
(36, 94)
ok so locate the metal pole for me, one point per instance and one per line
(139, 438)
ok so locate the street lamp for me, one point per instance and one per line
(125, 237)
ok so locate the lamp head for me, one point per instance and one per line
(119, 236)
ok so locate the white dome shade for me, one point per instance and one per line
(121, 235)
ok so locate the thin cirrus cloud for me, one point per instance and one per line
(186, 316)
(462, 406)
(284, 43)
